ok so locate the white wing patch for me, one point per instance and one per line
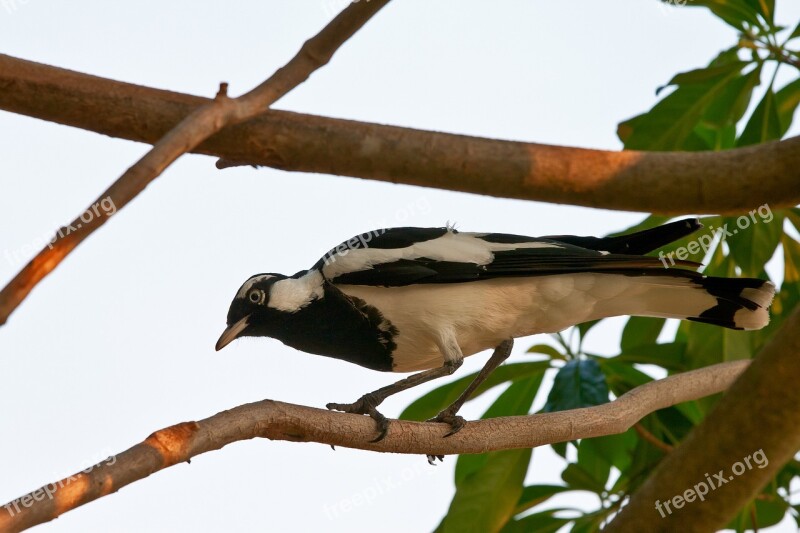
(455, 247)
(294, 294)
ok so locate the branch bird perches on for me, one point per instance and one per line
(282, 421)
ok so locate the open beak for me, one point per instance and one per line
(231, 332)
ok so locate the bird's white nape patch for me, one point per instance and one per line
(293, 294)
(250, 282)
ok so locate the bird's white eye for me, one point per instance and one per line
(254, 296)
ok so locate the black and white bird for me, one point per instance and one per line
(422, 299)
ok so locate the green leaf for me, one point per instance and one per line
(515, 400)
(670, 123)
(786, 101)
(734, 100)
(622, 377)
(596, 457)
(547, 350)
(533, 495)
(755, 237)
(734, 12)
(768, 512)
(718, 124)
(578, 478)
(430, 404)
(485, 500)
(560, 448)
(645, 458)
(641, 330)
(796, 33)
(488, 486)
(794, 217)
(789, 472)
(766, 8)
(704, 75)
(590, 523)
(764, 124)
(789, 298)
(579, 383)
(542, 522)
(669, 355)
(710, 345)
(596, 466)
(584, 328)
(616, 450)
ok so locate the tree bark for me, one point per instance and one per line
(672, 183)
(281, 421)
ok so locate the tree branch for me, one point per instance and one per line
(202, 122)
(758, 413)
(281, 421)
(659, 182)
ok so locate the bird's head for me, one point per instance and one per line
(249, 314)
(264, 303)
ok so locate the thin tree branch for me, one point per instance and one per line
(652, 439)
(759, 413)
(197, 126)
(672, 183)
(281, 421)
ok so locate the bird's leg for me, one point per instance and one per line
(449, 415)
(366, 405)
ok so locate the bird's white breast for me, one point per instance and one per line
(483, 313)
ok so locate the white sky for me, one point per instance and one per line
(119, 340)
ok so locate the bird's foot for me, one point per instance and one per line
(456, 422)
(366, 405)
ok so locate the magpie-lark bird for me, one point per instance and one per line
(422, 299)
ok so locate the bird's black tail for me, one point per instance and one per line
(741, 302)
(736, 303)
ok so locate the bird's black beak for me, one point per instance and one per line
(232, 332)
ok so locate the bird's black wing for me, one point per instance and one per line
(440, 255)
(637, 243)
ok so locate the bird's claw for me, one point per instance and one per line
(455, 421)
(366, 405)
(432, 459)
(456, 424)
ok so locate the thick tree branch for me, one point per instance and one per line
(659, 182)
(202, 122)
(758, 413)
(281, 421)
